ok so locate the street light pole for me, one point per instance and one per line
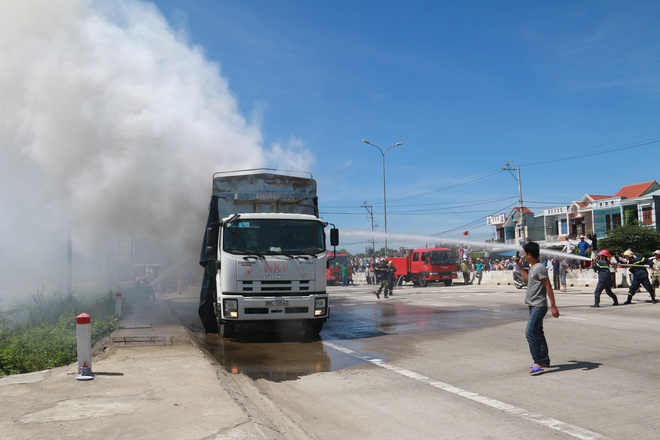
(382, 153)
(521, 225)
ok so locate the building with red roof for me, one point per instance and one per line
(593, 215)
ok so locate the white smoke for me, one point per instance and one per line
(111, 122)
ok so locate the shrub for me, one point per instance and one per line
(48, 342)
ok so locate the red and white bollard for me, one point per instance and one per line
(84, 336)
(118, 299)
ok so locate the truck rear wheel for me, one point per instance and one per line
(448, 282)
(422, 281)
(312, 327)
(227, 330)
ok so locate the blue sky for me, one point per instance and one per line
(569, 91)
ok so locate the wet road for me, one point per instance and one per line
(281, 351)
(451, 362)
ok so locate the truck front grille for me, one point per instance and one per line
(265, 311)
(275, 287)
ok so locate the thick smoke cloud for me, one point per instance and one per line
(112, 124)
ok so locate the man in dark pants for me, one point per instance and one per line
(640, 276)
(391, 276)
(602, 268)
(381, 277)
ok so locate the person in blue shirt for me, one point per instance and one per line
(584, 248)
(602, 268)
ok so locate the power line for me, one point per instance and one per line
(596, 153)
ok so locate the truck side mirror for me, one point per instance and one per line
(334, 237)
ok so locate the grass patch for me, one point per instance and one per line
(40, 333)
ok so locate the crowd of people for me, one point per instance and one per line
(376, 270)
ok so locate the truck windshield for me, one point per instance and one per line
(443, 257)
(273, 236)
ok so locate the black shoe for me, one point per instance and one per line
(594, 305)
(627, 302)
(615, 304)
(654, 301)
(377, 295)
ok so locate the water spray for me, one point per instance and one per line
(422, 239)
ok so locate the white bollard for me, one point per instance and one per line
(118, 304)
(84, 335)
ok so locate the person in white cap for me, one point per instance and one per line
(640, 276)
(655, 273)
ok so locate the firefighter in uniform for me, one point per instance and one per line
(602, 268)
(640, 276)
(382, 278)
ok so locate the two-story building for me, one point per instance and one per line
(592, 214)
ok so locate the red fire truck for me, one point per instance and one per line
(423, 266)
(336, 261)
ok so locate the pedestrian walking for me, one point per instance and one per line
(539, 292)
(640, 276)
(602, 268)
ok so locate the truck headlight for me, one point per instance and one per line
(320, 306)
(230, 307)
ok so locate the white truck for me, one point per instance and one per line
(264, 252)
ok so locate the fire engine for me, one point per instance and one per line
(423, 266)
(335, 262)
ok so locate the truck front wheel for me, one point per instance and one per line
(312, 327)
(227, 330)
(448, 282)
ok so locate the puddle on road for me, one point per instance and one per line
(281, 352)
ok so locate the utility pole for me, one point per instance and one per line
(370, 211)
(521, 223)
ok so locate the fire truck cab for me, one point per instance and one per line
(427, 265)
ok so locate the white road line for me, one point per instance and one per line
(572, 430)
(571, 317)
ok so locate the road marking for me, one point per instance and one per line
(571, 317)
(557, 425)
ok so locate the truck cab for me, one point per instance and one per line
(264, 253)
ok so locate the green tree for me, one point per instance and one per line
(643, 240)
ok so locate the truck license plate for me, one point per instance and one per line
(277, 302)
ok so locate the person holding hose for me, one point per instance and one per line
(640, 276)
(602, 268)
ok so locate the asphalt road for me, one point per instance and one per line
(452, 362)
